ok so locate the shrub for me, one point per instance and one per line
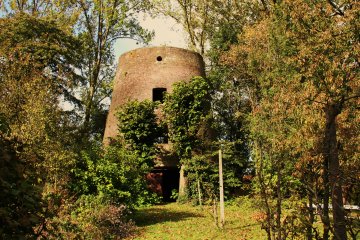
(90, 217)
(118, 174)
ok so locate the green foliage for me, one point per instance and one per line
(186, 110)
(4, 126)
(189, 119)
(205, 169)
(139, 130)
(230, 100)
(116, 174)
(36, 55)
(63, 12)
(39, 44)
(39, 55)
(20, 199)
(186, 114)
(99, 25)
(296, 58)
(39, 62)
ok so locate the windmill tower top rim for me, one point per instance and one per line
(157, 49)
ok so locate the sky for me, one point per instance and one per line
(167, 33)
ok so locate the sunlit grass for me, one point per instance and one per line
(183, 221)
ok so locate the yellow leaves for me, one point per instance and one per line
(251, 56)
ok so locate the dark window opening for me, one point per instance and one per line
(159, 94)
(159, 58)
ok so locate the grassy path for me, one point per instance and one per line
(182, 221)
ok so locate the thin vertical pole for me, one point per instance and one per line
(221, 183)
(199, 189)
(182, 184)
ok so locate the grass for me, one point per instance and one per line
(182, 221)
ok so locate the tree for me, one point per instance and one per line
(328, 61)
(97, 24)
(57, 10)
(185, 111)
(36, 57)
(211, 28)
(186, 114)
(100, 24)
(37, 60)
(193, 15)
(309, 51)
(203, 20)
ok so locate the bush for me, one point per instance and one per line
(116, 174)
(20, 197)
(90, 217)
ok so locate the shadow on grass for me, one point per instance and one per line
(149, 216)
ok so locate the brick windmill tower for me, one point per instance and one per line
(146, 73)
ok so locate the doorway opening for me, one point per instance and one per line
(163, 180)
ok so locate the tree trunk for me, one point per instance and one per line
(310, 195)
(182, 184)
(311, 217)
(331, 156)
(267, 226)
(88, 107)
(90, 98)
(325, 211)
